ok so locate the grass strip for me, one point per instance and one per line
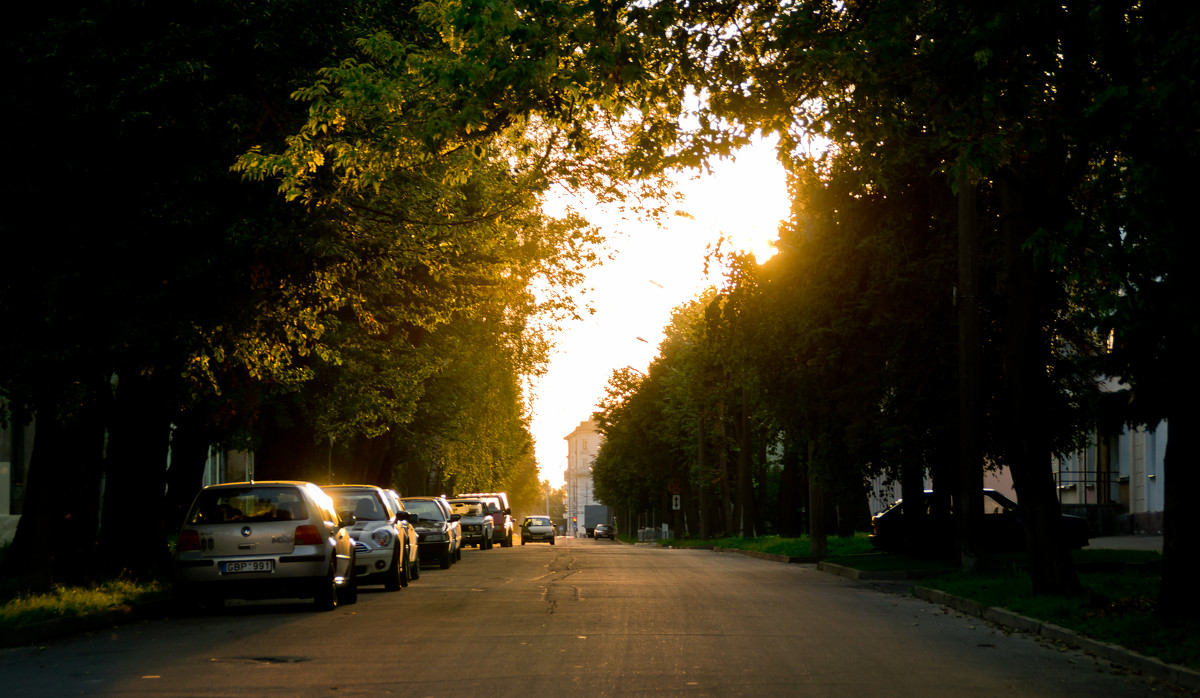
(778, 545)
(74, 601)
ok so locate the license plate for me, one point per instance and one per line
(243, 566)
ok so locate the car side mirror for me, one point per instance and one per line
(346, 519)
(455, 517)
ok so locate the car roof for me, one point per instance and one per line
(262, 483)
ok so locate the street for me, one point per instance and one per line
(581, 618)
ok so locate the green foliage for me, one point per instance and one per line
(75, 601)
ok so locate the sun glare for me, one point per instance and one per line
(655, 268)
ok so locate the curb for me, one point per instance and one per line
(767, 556)
(56, 628)
(1116, 654)
(877, 575)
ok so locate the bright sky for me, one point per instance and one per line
(654, 270)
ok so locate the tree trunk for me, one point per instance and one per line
(190, 445)
(291, 452)
(969, 511)
(726, 522)
(55, 540)
(761, 475)
(135, 481)
(744, 522)
(702, 480)
(791, 492)
(1028, 392)
(817, 510)
(913, 507)
(1177, 598)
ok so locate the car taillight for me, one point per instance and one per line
(188, 540)
(308, 535)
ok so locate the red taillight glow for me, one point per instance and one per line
(188, 540)
(308, 535)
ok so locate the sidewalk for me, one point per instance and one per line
(1127, 543)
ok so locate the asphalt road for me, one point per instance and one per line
(582, 618)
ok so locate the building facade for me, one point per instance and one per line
(583, 511)
(1117, 481)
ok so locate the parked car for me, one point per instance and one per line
(439, 534)
(1003, 530)
(477, 526)
(501, 515)
(271, 539)
(535, 528)
(605, 531)
(381, 547)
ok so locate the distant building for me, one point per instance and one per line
(583, 511)
(1116, 481)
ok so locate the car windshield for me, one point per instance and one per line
(467, 508)
(537, 521)
(425, 509)
(228, 505)
(364, 504)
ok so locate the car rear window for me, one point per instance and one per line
(228, 505)
(538, 521)
(425, 509)
(364, 504)
(467, 508)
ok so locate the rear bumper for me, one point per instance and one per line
(433, 551)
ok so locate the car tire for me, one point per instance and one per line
(348, 594)
(397, 574)
(458, 554)
(325, 597)
(507, 541)
(522, 540)
(551, 541)
(446, 559)
(414, 569)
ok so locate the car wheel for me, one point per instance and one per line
(458, 553)
(347, 595)
(446, 559)
(397, 574)
(507, 541)
(551, 541)
(522, 540)
(325, 597)
(414, 568)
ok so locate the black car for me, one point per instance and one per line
(1003, 530)
(605, 531)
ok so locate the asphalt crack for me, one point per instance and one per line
(556, 589)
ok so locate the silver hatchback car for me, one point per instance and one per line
(256, 540)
